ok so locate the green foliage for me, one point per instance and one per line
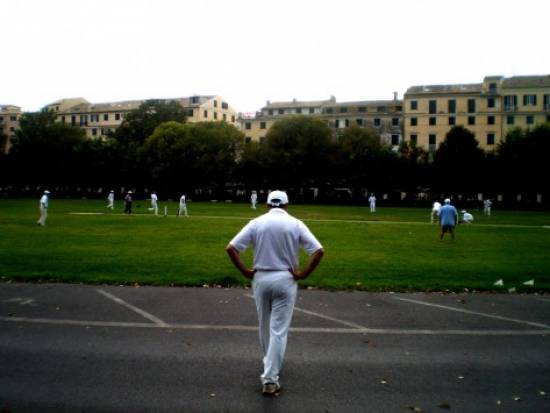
(192, 155)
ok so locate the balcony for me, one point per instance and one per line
(510, 108)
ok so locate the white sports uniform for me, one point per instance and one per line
(435, 211)
(183, 206)
(487, 207)
(43, 204)
(253, 199)
(467, 217)
(276, 238)
(154, 205)
(111, 199)
(372, 202)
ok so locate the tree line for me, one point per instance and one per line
(155, 149)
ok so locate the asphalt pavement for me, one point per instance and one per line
(82, 348)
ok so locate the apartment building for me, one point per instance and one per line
(489, 109)
(98, 119)
(383, 115)
(9, 123)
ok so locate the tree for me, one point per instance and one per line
(457, 162)
(299, 153)
(45, 152)
(137, 126)
(188, 156)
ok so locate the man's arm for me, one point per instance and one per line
(235, 258)
(313, 262)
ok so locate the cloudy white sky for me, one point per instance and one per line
(250, 51)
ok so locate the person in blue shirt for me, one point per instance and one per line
(448, 218)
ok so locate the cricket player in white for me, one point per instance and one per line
(183, 207)
(154, 205)
(372, 202)
(487, 207)
(467, 218)
(276, 238)
(253, 199)
(43, 204)
(111, 200)
(435, 211)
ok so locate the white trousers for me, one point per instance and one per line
(111, 205)
(275, 294)
(372, 208)
(43, 215)
(183, 210)
(154, 207)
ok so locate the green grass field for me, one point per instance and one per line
(393, 249)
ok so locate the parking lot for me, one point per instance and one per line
(113, 348)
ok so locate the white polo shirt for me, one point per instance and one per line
(276, 238)
(44, 201)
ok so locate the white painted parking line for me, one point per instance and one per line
(145, 314)
(326, 317)
(313, 330)
(461, 310)
(547, 300)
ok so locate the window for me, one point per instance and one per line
(225, 105)
(329, 110)
(83, 120)
(298, 110)
(491, 102)
(433, 106)
(395, 140)
(452, 120)
(414, 139)
(510, 103)
(247, 125)
(432, 120)
(395, 121)
(529, 100)
(262, 125)
(194, 99)
(451, 106)
(490, 139)
(270, 111)
(471, 105)
(281, 111)
(490, 120)
(215, 103)
(510, 120)
(546, 102)
(205, 114)
(13, 118)
(94, 132)
(62, 119)
(73, 120)
(224, 117)
(343, 110)
(471, 120)
(105, 116)
(414, 104)
(347, 123)
(432, 139)
(311, 110)
(376, 121)
(233, 118)
(414, 121)
(215, 114)
(117, 116)
(530, 119)
(359, 122)
(492, 88)
(12, 129)
(362, 108)
(248, 139)
(381, 109)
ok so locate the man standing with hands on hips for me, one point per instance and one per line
(276, 238)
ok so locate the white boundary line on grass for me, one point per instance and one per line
(349, 221)
(142, 313)
(460, 310)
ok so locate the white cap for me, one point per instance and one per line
(447, 201)
(463, 211)
(277, 198)
(46, 191)
(111, 191)
(130, 192)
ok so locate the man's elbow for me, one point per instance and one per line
(320, 252)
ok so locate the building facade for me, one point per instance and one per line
(9, 123)
(99, 119)
(383, 115)
(488, 109)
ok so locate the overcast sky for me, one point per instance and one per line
(250, 51)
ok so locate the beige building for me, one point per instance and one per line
(383, 115)
(98, 119)
(489, 109)
(9, 123)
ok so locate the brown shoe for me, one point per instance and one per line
(271, 389)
